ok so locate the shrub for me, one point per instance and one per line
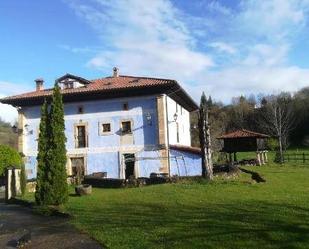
(272, 144)
(9, 157)
(23, 180)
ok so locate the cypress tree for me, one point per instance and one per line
(57, 151)
(42, 194)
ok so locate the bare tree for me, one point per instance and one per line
(205, 143)
(278, 119)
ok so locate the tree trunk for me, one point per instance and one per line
(205, 143)
(280, 149)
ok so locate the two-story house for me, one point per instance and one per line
(121, 125)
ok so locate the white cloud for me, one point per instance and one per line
(143, 38)
(223, 47)
(7, 112)
(156, 39)
(273, 19)
(218, 7)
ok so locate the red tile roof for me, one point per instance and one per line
(243, 134)
(108, 85)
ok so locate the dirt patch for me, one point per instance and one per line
(19, 226)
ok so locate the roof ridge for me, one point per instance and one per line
(132, 76)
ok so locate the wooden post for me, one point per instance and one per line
(230, 158)
(235, 156)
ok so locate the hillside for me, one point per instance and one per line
(7, 136)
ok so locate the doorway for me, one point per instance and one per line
(129, 161)
(78, 166)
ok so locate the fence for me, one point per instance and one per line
(296, 157)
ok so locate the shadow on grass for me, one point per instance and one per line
(257, 225)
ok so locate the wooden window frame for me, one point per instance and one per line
(100, 127)
(131, 124)
(76, 135)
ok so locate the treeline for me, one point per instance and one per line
(7, 136)
(284, 116)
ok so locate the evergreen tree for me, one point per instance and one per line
(57, 151)
(23, 180)
(42, 194)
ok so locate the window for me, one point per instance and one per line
(80, 110)
(81, 140)
(126, 127)
(176, 107)
(106, 127)
(125, 106)
(68, 85)
(181, 110)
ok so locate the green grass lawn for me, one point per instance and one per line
(222, 214)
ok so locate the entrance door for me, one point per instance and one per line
(78, 166)
(129, 160)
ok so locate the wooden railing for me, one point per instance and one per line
(296, 157)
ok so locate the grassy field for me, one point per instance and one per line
(223, 214)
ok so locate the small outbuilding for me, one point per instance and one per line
(245, 141)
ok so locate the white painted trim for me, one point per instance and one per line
(90, 116)
(122, 165)
(100, 128)
(98, 150)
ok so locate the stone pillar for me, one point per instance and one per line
(12, 183)
(163, 134)
(262, 157)
(265, 156)
(16, 174)
(8, 189)
(258, 158)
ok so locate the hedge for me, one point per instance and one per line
(9, 157)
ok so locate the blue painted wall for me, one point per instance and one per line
(190, 166)
(102, 153)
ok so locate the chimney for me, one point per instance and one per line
(39, 84)
(115, 72)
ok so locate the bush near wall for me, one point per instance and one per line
(9, 157)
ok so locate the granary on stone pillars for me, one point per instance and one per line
(245, 141)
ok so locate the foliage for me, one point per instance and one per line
(52, 187)
(7, 136)
(272, 144)
(9, 157)
(43, 183)
(23, 180)
(57, 151)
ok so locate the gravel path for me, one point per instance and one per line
(17, 222)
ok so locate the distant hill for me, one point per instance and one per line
(7, 136)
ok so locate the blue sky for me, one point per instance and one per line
(223, 47)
